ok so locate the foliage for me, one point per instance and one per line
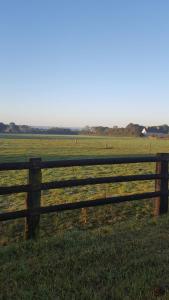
(129, 130)
(13, 128)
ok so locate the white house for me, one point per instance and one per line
(144, 132)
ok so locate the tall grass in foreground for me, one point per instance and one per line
(127, 261)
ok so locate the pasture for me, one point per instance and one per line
(22, 147)
(126, 261)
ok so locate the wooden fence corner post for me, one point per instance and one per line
(33, 200)
(161, 185)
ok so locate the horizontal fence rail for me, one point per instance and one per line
(91, 181)
(7, 190)
(77, 205)
(79, 162)
(77, 182)
(35, 186)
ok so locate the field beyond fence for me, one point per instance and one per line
(35, 185)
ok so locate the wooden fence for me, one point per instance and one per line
(35, 186)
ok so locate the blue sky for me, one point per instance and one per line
(90, 62)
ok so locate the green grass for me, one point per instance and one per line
(21, 147)
(121, 262)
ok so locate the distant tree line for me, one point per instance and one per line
(131, 130)
(13, 128)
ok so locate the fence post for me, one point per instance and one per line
(161, 202)
(33, 199)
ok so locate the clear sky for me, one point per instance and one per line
(84, 62)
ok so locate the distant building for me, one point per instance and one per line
(144, 132)
(147, 132)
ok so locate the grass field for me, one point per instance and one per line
(22, 147)
(116, 252)
(127, 261)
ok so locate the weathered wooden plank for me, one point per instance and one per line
(100, 180)
(97, 202)
(76, 205)
(99, 161)
(78, 182)
(161, 202)
(33, 199)
(14, 166)
(14, 215)
(79, 162)
(6, 190)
